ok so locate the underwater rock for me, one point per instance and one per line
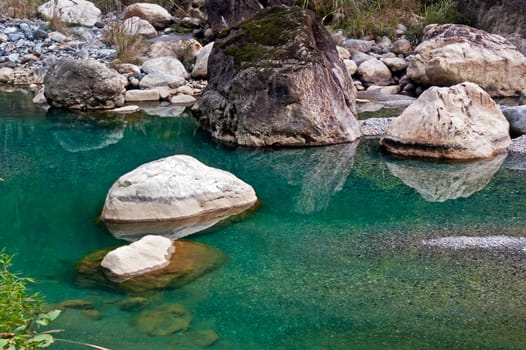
(146, 255)
(196, 338)
(93, 314)
(75, 304)
(163, 320)
(174, 190)
(459, 122)
(439, 182)
(133, 303)
(269, 86)
(189, 261)
(488, 242)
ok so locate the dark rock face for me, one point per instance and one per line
(277, 80)
(504, 17)
(84, 84)
(223, 14)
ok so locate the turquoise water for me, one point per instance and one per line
(333, 259)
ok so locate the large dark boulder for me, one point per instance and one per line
(223, 14)
(277, 80)
(84, 84)
(504, 17)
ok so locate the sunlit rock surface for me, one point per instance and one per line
(148, 254)
(439, 182)
(459, 122)
(177, 189)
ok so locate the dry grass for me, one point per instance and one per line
(129, 46)
(379, 17)
(19, 8)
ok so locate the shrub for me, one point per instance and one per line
(129, 46)
(379, 17)
(20, 312)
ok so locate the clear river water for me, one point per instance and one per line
(342, 253)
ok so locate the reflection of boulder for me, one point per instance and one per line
(175, 229)
(75, 133)
(313, 175)
(189, 261)
(466, 242)
(438, 182)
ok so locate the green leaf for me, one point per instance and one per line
(47, 318)
(3, 343)
(43, 340)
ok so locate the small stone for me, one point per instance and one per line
(126, 109)
(402, 46)
(141, 95)
(204, 338)
(395, 64)
(133, 303)
(93, 314)
(351, 66)
(40, 34)
(57, 37)
(400, 29)
(359, 45)
(29, 58)
(6, 75)
(360, 58)
(164, 320)
(183, 100)
(76, 304)
(164, 92)
(185, 89)
(343, 52)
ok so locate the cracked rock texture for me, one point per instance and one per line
(460, 122)
(273, 87)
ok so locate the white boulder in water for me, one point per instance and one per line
(174, 188)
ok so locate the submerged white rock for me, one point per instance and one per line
(477, 242)
(145, 255)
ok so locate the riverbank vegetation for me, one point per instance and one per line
(21, 311)
(358, 18)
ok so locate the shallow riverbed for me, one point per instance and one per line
(333, 259)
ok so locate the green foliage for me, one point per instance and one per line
(20, 312)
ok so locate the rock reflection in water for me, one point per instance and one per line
(312, 174)
(174, 229)
(79, 133)
(439, 182)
